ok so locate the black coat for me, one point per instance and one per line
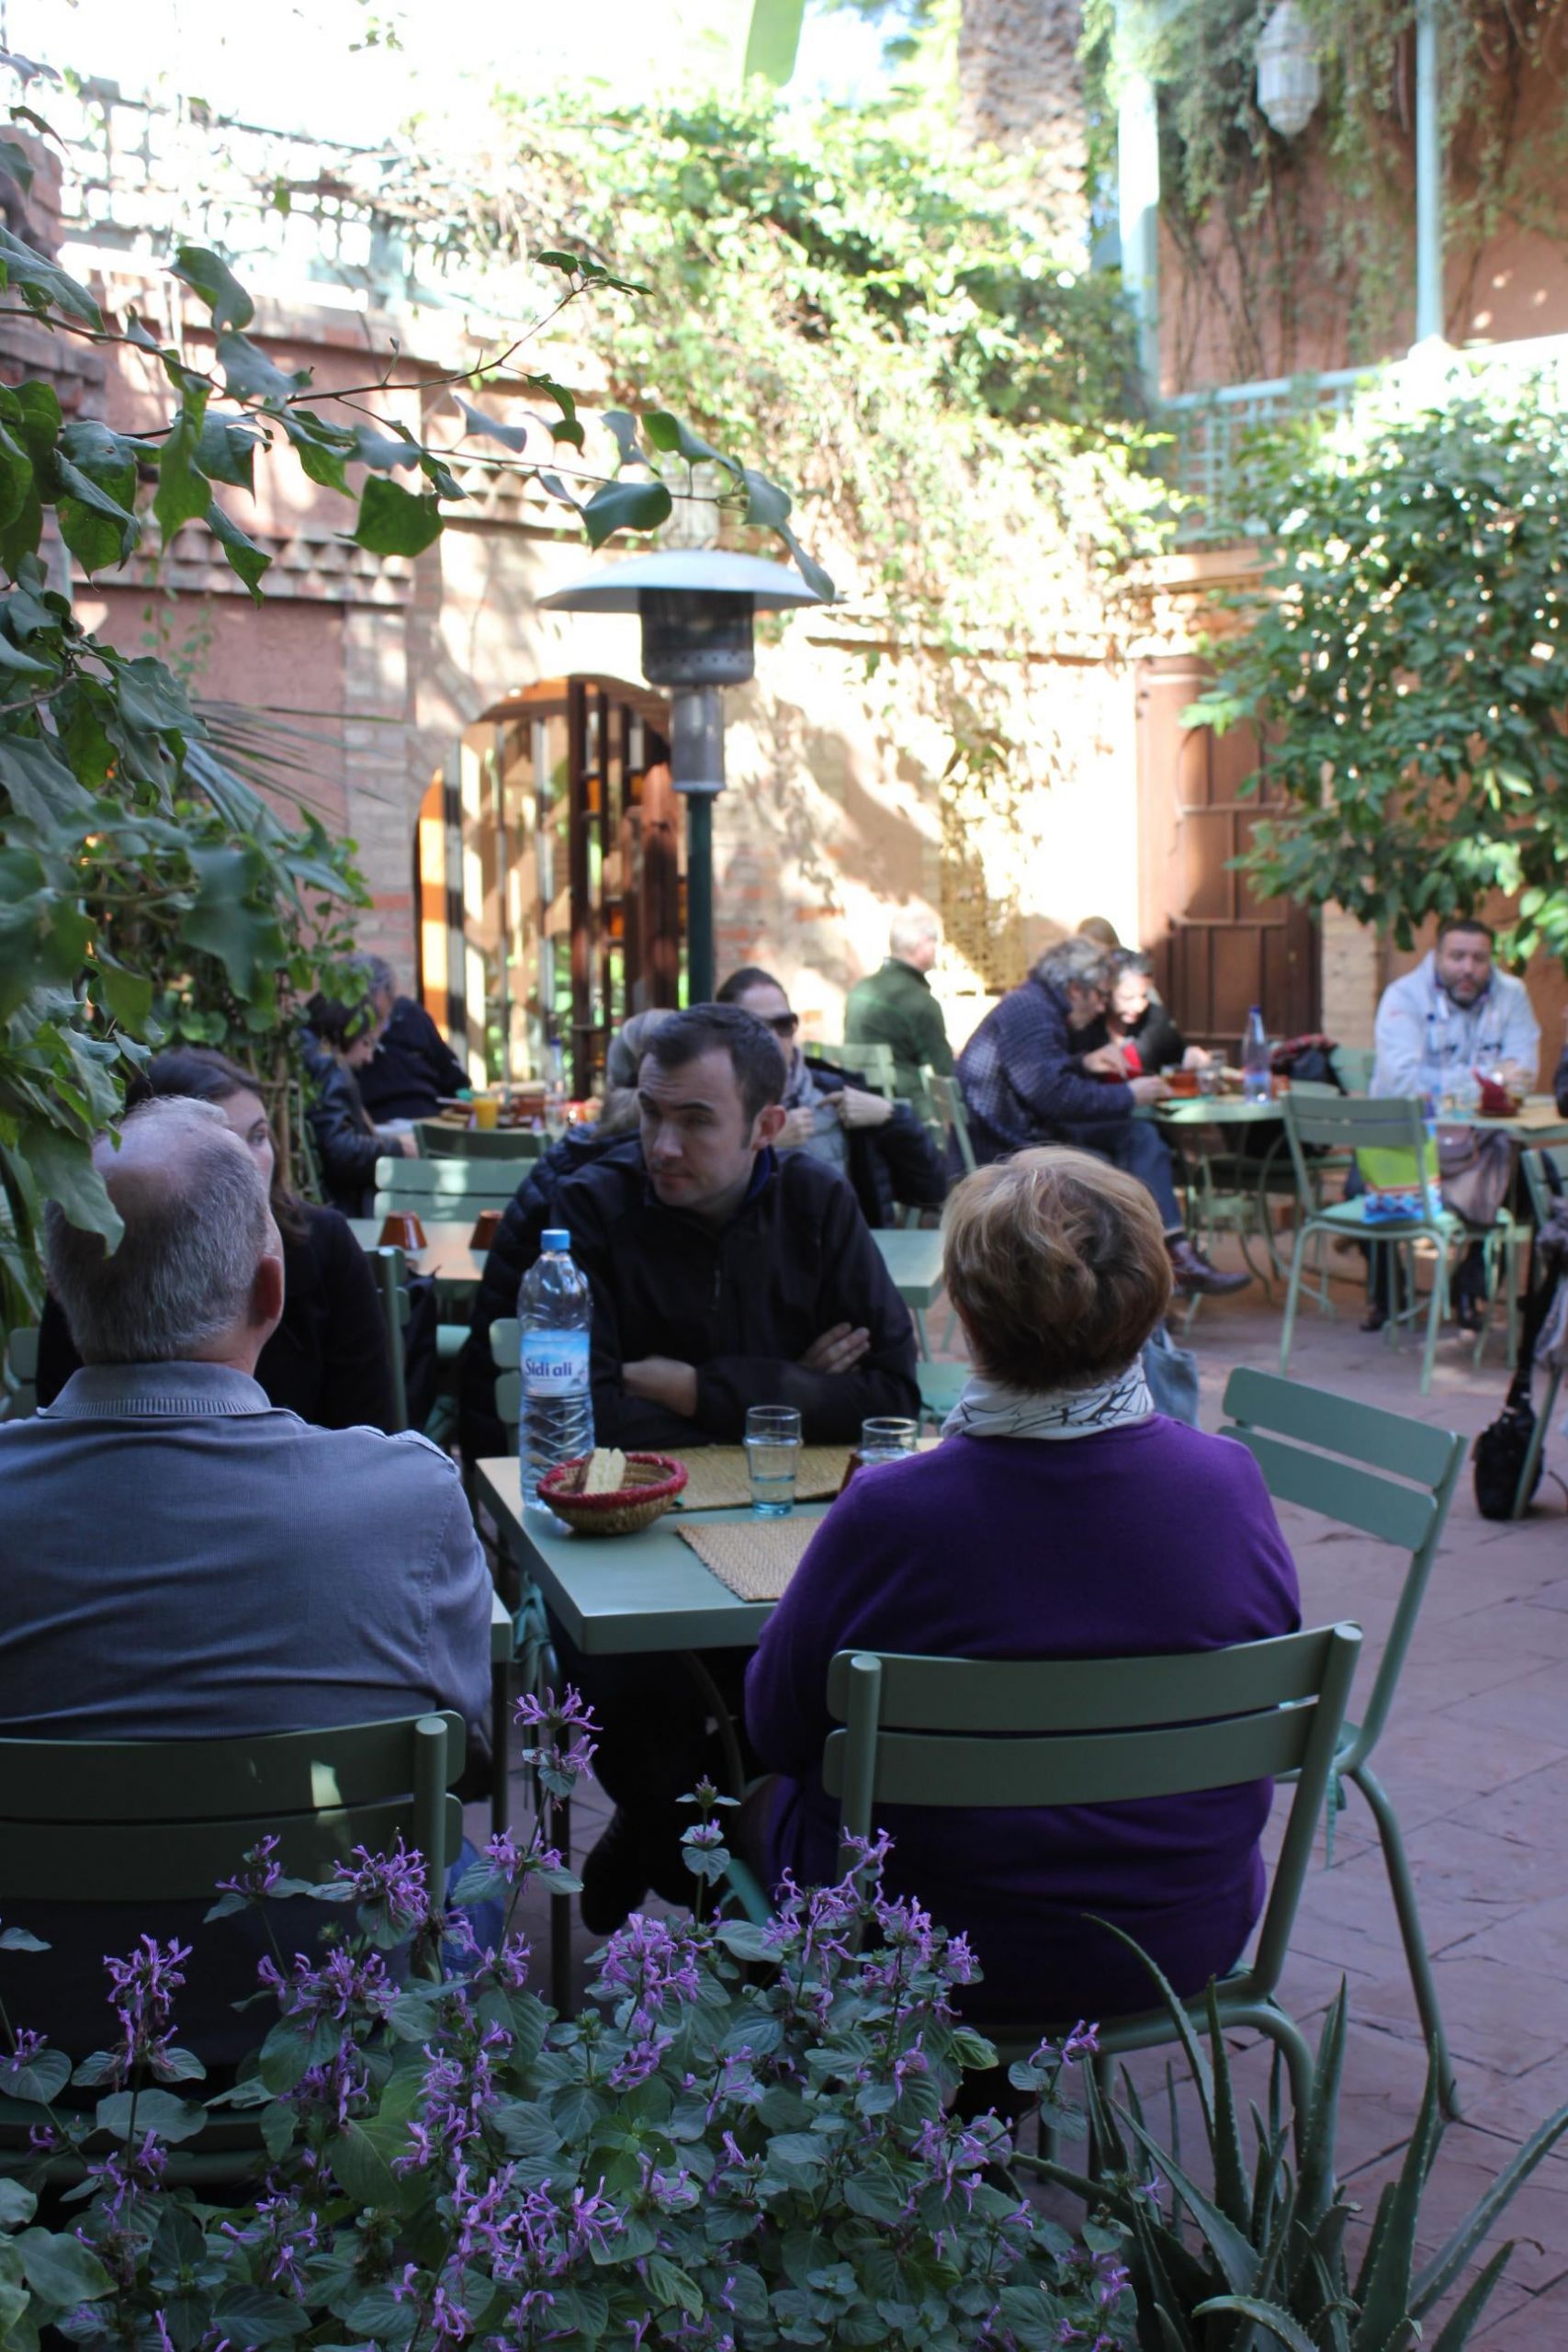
(741, 1303)
(892, 1166)
(327, 1361)
(414, 1067)
(346, 1142)
(1159, 1042)
(511, 1254)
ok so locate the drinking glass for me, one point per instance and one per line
(487, 1113)
(1212, 1075)
(887, 1438)
(773, 1458)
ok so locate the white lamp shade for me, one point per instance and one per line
(1289, 82)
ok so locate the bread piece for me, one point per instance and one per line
(606, 1471)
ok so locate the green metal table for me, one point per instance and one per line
(614, 1595)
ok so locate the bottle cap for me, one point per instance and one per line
(555, 1236)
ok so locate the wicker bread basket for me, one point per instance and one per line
(653, 1481)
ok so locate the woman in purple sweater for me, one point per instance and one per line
(1062, 1517)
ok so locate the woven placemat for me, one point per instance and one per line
(716, 1480)
(755, 1557)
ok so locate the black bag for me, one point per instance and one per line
(1499, 1451)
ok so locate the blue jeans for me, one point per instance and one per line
(1138, 1147)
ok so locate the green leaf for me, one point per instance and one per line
(226, 450)
(766, 504)
(360, 2169)
(511, 437)
(250, 375)
(394, 522)
(209, 275)
(624, 429)
(810, 571)
(184, 492)
(625, 507)
(16, 160)
(244, 557)
(1439, 2274)
(250, 2315)
(42, 285)
(43, 2077)
(248, 941)
(61, 2269)
(322, 449)
(127, 996)
(1279, 2324)
(172, 2119)
(21, 1939)
(16, 2204)
(42, 786)
(667, 432)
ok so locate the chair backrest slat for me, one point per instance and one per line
(162, 1863)
(977, 1770)
(446, 1188)
(1366, 1433)
(439, 1141)
(1359, 1498)
(1027, 1695)
(872, 1062)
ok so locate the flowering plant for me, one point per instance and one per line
(744, 2140)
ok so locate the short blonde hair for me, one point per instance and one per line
(1057, 1264)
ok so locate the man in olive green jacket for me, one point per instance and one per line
(895, 1006)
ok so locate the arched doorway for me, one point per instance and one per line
(548, 875)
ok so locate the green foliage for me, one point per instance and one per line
(1258, 2259)
(148, 889)
(1407, 654)
(1289, 245)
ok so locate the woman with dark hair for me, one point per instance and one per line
(348, 1141)
(328, 1359)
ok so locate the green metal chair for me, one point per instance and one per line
(391, 1269)
(1355, 1065)
(454, 1188)
(20, 1399)
(873, 1063)
(505, 1345)
(948, 1097)
(125, 1821)
(970, 1733)
(439, 1141)
(1397, 1127)
(1393, 1479)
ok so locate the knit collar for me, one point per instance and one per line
(178, 1391)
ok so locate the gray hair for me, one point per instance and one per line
(911, 927)
(629, 1043)
(1075, 964)
(197, 1226)
(380, 977)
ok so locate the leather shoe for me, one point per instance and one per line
(1195, 1278)
(614, 1879)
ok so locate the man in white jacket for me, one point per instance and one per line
(1455, 1014)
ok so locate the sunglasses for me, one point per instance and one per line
(784, 1025)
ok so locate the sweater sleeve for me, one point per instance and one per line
(857, 1289)
(1521, 1033)
(1400, 1035)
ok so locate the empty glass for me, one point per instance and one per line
(887, 1438)
(773, 1458)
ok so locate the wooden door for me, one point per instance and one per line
(1218, 948)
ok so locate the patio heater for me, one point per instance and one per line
(696, 605)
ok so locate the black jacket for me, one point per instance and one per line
(346, 1142)
(511, 1254)
(742, 1302)
(413, 1069)
(891, 1166)
(327, 1361)
(1159, 1042)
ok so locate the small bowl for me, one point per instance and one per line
(487, 1224)
(402, 1232)
(653, 1481)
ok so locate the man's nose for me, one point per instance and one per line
(666, 1144)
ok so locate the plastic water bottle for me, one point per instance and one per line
(554, 1308)
(1256, 1077)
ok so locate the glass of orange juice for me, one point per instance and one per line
(487, 1113)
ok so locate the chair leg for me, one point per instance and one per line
(1293, 1296)
(1288, 2038)
(1434, 1318)
(1403, 1888)
(1532, 1454)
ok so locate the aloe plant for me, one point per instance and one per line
(1261, 2260)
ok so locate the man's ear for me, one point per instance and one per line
(768, 1125)
(268, 1291)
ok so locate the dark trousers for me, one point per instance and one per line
(1139, 1147)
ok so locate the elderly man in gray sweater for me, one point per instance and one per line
(179, 1559)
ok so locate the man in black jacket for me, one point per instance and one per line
(414, 1065)
(723, 1276)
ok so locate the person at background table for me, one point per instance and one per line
(1139, 1023)
(348, 1142)
(881, 1147)
(412, 1066)
(181, 1559)
(1107, 1532)
(724, 1275)
(530, 1210)
(1029, 1075)
(895, 1007)
(328, 1359)
(1455, 1014)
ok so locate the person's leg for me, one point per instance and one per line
(1141, 1150)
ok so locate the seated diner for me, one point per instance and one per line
(1061, 1517)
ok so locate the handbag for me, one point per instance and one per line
(1172, 1375)
(1475, 1170)
(1500, 1452)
